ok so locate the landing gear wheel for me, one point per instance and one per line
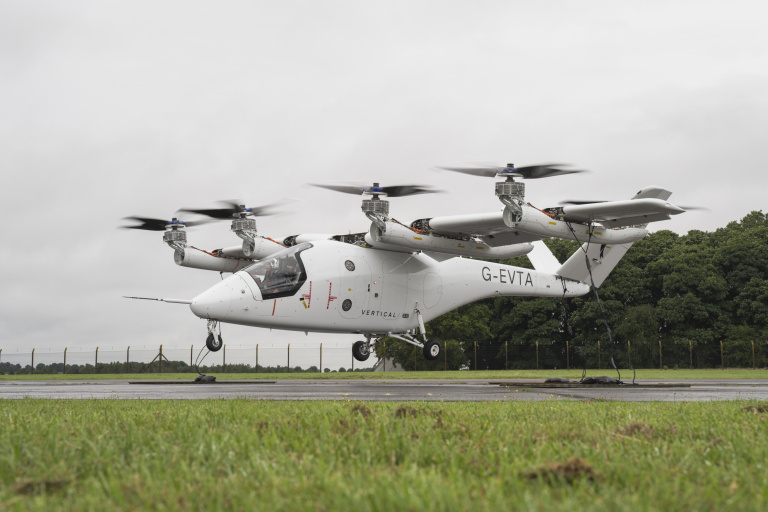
(214, 343)
(432, 350)
(361, 350)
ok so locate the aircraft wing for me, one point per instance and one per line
(614, 214)
(489, 227)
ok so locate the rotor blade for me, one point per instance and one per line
(346, 189)
(528, 172)
(531, 172)
(214, 213)
(694, 208)
(267, 209)
(147, 224)
(392, 191)
(408, 190)
(233, 209)
(484, 171)
(194, 223)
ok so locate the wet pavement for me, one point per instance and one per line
(468, 390)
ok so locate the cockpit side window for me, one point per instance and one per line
(280, 275)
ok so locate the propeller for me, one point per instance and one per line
(234, 210)
(528, 172)
(393, 191)
(149, 224)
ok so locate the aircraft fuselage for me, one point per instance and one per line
(328, 286)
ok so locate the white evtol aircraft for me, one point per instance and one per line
(390, 281)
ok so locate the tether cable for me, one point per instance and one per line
(599, 304)
(198, 360)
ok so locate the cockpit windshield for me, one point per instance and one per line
(281, 274)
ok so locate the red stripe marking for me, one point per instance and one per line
(330, 297)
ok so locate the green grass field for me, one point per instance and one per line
(243, 455)
(626, 375)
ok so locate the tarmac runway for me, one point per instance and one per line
(389, 390)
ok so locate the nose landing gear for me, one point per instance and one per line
(213, 341)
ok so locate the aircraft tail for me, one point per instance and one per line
(602, 258)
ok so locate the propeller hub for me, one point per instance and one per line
(175, 224)
(175, 237)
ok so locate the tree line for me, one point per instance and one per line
(689, 293)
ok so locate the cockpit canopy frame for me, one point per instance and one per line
(280, 275)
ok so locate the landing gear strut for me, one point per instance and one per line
(213, 341)
(432, 349)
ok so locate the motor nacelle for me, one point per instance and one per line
(260, 248)
(292, 240)
(406, 239)
(533, 221)
(195, 258)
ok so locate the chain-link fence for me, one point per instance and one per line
(266, 358)
(298, 358)
(687, 354)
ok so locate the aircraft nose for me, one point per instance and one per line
(215, 302)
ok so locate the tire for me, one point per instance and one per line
(214, 343)
(361, 351)
(432, 350)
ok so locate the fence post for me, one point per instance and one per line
(661, 367)
(33, 360)
(65, 360)
(224, 358)
(384, 343)
(690, 350)
(321, 358)
(722, 359)
(475, 355)
(191, 347)
(629, 351)
(537, 355)
(353, 362)
(288, 367)
(161, 358)
(445, 357)
(753, 354)
(567, 355)
(128, 355)
(96, 362)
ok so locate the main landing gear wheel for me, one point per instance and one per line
(214, 343)
(432, 350)
(361, 350)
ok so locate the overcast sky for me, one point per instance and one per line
(110, 109)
